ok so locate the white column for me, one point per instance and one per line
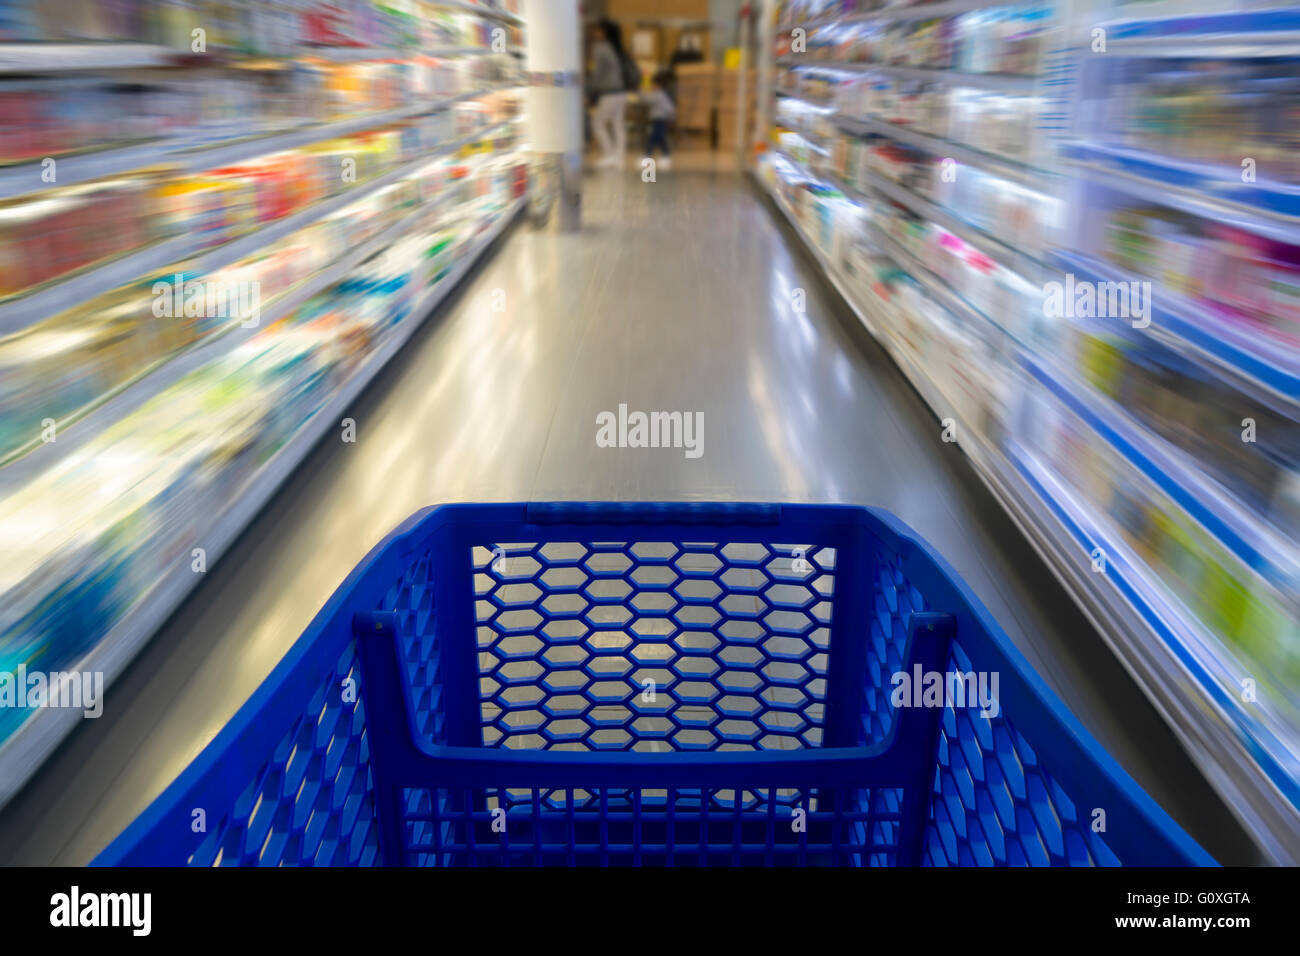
(742, 129)
(766, 68)
(554, 108)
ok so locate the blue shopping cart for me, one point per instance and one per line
(653, 684)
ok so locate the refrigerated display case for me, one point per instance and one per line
(190, 300)
(1074, 226)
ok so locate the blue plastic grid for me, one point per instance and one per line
(651, 646)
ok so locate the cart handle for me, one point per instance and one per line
(640, 512)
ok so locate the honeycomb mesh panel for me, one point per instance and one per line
(312, 802)
(653, 645)
(993, 802)
(411, 597)
(894, 601)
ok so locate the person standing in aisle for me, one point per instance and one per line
(611, 79)
(662, 112)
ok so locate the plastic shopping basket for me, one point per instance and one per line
(653, 684)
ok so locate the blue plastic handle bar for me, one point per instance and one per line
(636, 512)
(401, 759)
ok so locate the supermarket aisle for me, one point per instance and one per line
(676, 297)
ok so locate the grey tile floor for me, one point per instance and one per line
(676, 296)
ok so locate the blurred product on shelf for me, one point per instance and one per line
(1209, 111)
(1250, 280)
(1005, 40)
(261, 27)
(51, 117)
(210, 209)
(48, 235)
(997, 123)
(1201, 416)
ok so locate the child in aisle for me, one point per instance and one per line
(662, 111)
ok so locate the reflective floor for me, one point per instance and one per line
(677, 296)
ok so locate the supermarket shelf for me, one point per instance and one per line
(155, 379)
(491, 14)
(998, 82)
(1266, 207)
(449, 51)
(1151, 638)
(74, 290)
(23, 752)
(817, 147)
(816, 23)
(1023, 174)
(65, 57)
(1255, 543)
(20, 179)
(819, 105)
(934, 397)
(1021, 263)
(1256, 33)
(214, 155)
(937, 287)
(969, 436)
(347, 54)
(1130, 611)
(246, 245)
(96, 280)
(1024, 265)
(28, 460)
(924, 11)
(832, 273)
(1188, 328)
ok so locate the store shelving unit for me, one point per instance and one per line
(1249, 750)
(1007, 169)
(462, 221)
(23, 752)
(181, 154)
(153, 379)
(999, 82)
(21, 311)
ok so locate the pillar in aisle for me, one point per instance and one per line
(555, 111)
(742, 80)
(766, 27)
